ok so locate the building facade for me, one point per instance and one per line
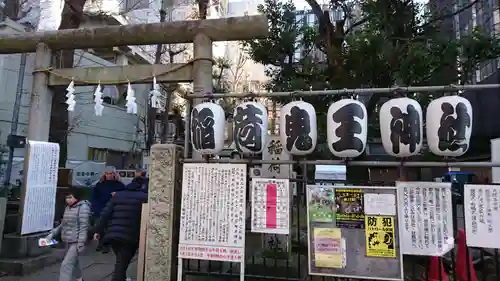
(484, 15)
(115, 137)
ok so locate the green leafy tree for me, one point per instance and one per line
(388, 43)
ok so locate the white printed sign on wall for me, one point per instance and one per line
(41, 187)
(270, 206)
(482, 215)
(425, 210)
(212, 225)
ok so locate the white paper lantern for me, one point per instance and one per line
(298, 129)
(207, 128)
(401, 127)
(347, 127)
(449, 126)
(250, 127)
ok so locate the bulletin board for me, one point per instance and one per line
(353, 232)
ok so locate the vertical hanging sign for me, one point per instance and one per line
(274, 151)
(271, 206)
(426, 218)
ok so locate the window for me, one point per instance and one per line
(97, 154)
(496, 22)
(311, 18)
(136, 5)
(117, 159)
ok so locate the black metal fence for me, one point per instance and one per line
(268, 260)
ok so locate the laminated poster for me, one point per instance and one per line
(380, 241)
(380, 204)
(350, 208)
(482, 215)
(329, 248)
(321, 204)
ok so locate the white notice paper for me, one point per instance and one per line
(380, 204)
(482, 215)
(41, 187)
(212, 225)
(270, 206)
(426, 223)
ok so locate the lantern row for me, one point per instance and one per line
(448, 128)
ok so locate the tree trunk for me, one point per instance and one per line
(71, 18)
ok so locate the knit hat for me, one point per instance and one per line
(110, 169)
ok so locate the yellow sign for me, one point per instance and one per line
(380, 236)
(328, 248)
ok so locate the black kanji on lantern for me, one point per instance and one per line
(275, 147)
(451, 132)
(202, 129)
(348, 128)
(247, 128)
(405, 128)
(297, 129)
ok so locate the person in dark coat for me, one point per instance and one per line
(141, 175)
(122, 217)
(103, 190)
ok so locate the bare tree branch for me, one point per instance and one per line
(237, 69)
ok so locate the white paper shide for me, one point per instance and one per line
(482, 215)
(270, 206)
(212, 225)
(41, 187)
(426, 223)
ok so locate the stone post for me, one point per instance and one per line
(162, 234)
(202, 70)
(41, 96)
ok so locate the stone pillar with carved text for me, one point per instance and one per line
(162, 235)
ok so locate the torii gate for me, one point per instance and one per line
(200, 32)
(161, 245)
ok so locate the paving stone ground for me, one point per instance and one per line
(96, 267)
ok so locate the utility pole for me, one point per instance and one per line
(15, 116)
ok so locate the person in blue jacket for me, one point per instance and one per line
(122, 220)
(103, 190)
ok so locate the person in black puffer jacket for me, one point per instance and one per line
(140, 176)
(121, 219)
